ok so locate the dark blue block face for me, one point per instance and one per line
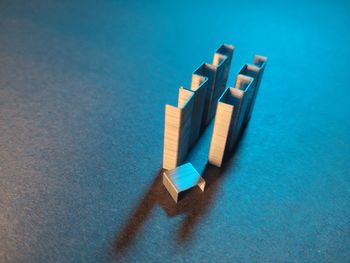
(82, 92)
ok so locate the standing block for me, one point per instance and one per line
(177, 130)
(207, 71)
(220, 66)
(200, 82)
(206, 97)
(196, 107)
(181, 179)
(255, 71)
(225, 50)
(229, 117)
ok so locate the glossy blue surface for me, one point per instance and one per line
(184, 176)
(83, 86)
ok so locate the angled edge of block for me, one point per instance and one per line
(201, 184)
(170, 187)
(260, 61)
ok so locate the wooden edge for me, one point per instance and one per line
(201, 183)
(170, 187)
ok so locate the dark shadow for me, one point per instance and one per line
(194, 203)
(140, 215)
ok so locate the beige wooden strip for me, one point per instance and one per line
(177, 130)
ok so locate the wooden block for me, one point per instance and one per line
(181, 179)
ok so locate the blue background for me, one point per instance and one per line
(82, 92)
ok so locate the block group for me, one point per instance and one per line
(195, 108)
(207, 97)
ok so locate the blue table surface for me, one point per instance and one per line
(83, 86)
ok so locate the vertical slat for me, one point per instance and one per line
(177, 130)
(243, 93)
(231, 110)
(186, 118)
(171, 136)
(256, 71)
(222, 123)
(199, 85)
(222, 62)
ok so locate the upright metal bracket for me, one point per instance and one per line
(230, 114)
(196, 107)
(234, 109)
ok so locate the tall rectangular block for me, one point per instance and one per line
(231, 109)
(221, 66)
(255, 71)
(177, 130)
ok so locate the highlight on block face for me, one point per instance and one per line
(181, 179)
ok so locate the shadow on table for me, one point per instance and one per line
(194, 204)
